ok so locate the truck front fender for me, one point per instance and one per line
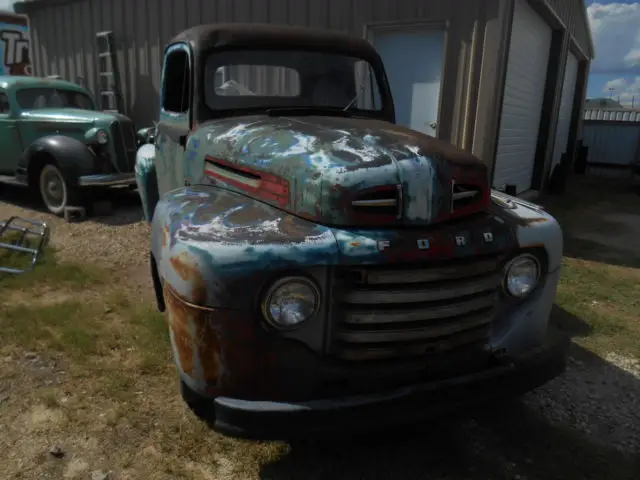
(72, 157)
(146, 179)
(218, 248)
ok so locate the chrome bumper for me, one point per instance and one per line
(107, 180)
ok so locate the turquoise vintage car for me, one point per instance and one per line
(55, 141)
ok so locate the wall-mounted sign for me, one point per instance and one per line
(14, 44)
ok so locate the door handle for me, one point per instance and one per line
(434, 125)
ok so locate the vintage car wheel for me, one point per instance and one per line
(202, 407)
(53, 189)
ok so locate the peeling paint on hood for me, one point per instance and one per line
(317, 166)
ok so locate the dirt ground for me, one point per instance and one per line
(88, 389)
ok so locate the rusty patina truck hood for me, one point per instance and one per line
(339, 171)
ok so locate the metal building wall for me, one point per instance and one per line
(573, 14)
(612, 142)
(63, 38)
(63, 34)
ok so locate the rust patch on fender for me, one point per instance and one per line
(165, 236)
(195, 339)
(178, 320)
(187, 269)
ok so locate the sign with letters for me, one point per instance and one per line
(14, 44)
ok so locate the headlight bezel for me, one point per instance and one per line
(102, 134)
(273, 288)
(510, 264)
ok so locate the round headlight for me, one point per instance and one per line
(101, 137)
(521, 275)
(290, 301)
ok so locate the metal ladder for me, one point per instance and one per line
(109, 79)
(25, 230)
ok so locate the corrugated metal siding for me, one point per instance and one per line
(612, 115)
(64, 32)
(612, 143)
(572, 13)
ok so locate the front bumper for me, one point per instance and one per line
(281, 420)
(107, 180)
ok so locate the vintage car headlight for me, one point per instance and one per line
(290, 301)
(521, 275)
(101, 137)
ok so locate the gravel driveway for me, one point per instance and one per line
(119, 240)
(576, 426)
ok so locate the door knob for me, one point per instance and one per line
(433, 125)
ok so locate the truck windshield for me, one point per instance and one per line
(37, 98)
(249, 79)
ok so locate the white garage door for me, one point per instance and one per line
(522, 103)
(566, 109)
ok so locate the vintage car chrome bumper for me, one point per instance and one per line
(107, 180)
(282, 421)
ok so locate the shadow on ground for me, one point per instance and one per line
(124, 204)
(535, 437)
(600, 218)
(562, 430)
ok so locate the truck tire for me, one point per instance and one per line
(54, 191)
(202, 407)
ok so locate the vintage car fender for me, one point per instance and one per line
(72, 157)
(146, 179)
(207, 242)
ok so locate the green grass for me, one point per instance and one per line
(48, 270)
(600, 284)
(68, 326)
(607, 298)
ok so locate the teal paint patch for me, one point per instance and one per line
(146, 180)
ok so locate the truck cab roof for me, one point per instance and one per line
(264, 36)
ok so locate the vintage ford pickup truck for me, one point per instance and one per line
(321, 267)
(56, 142)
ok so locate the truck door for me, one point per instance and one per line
(175, 113)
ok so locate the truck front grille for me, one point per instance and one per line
(123, 136)
(383, 313)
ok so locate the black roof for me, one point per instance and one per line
(264, 35)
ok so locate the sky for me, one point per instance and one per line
(615, 27)
(6, 4)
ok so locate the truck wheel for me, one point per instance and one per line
(53, 188)
(202, 407)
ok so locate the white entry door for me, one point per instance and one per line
(413, 60)
(523, 94)
(566, 109)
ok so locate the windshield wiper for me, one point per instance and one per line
(350, 104)
(354, 99)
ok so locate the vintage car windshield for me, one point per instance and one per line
(47, 97)
(250, 79)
